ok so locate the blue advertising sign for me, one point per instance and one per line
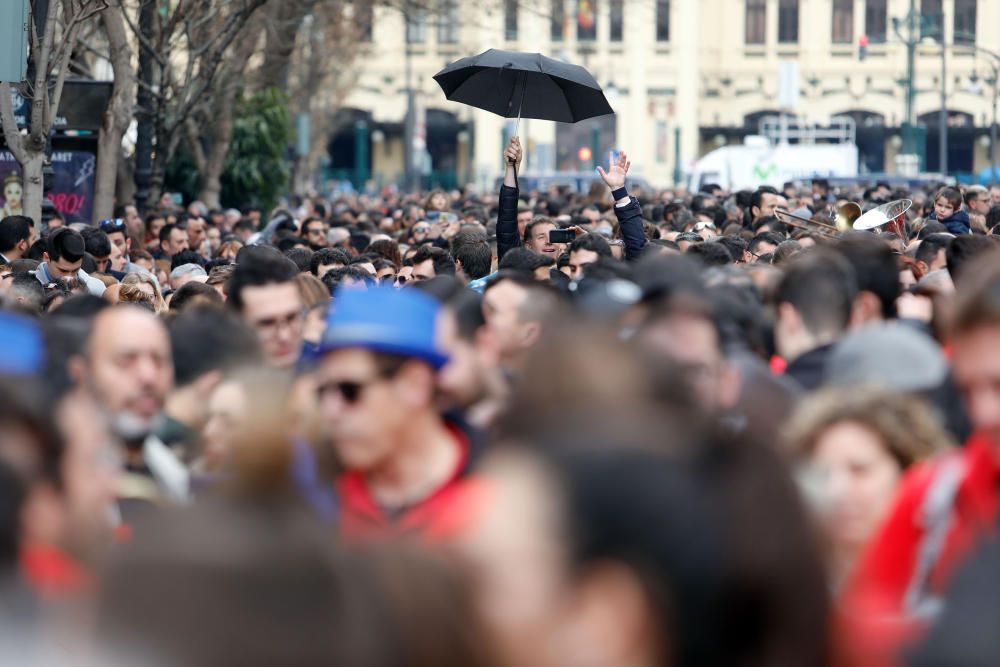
(73, 184)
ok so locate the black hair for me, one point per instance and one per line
(328, 256)
(874, 268)
(767, 221)
(821, 286)
(28, 288)
(931, 245)
(166, 230)
(734, 244)
(931, 227)
(359, 242)
(963, 250)
(764, 237)
(690, 237)
(186, 257)
(302, 258)
(13, 491)
(288, 242)
(711, 253)
(206, 338)
(66, 243)
(522, 259)
(334, 277)
(758, 195)
(96, 242)
(258, 269)
(476, 257)
(444, 264)
(245, 224)
(13, 230)
(591, 242)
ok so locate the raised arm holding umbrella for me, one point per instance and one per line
(534, 86)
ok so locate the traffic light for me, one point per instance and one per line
(862, 47)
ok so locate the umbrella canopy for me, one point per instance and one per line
(529, 85)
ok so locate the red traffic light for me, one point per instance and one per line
(584, 154)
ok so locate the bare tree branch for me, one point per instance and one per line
(11, 134)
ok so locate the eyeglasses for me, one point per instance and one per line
(349, 390)
(421, 229)
(703, 225)
(116, 224)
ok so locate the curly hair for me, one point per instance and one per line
(906, 427)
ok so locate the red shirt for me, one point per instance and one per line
(873, 604)
(437, 517)
(50, 572)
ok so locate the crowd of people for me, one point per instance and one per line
(516, 428)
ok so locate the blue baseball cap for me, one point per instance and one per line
(22, 350)
(384, 319)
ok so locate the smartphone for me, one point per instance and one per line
(562, 236)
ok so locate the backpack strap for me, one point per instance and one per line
(935, 518)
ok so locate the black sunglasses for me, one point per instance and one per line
(350, 391)
(117, 223)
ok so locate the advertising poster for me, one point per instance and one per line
(72, 191)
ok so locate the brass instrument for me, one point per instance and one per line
(846, 215)
(824, 229)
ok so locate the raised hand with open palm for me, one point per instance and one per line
(617, 170)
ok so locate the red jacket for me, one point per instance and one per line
(437, 517)
(874, 611)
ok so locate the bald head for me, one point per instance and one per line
(128, 368)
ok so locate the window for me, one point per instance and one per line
(586, 20)
(875, 21)
(931, 19)
(965, 21)
(756, 22)
(416, 26)
(448, 22)
(663, 20)
(558, 23)
(510, 20)
(843, 21)
(617, 20)
(788, 21)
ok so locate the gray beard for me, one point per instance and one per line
(131, 428)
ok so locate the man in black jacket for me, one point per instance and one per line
(626, 208)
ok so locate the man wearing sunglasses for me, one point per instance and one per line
(407, 467)
(117, 231)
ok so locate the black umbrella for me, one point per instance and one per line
(510, 83)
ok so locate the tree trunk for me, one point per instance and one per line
(33, 185)
(215, 164)
(118, 115)
(284, 19)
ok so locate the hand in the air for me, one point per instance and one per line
(615, 175)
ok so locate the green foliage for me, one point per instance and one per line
(182, 175)
(257, 170)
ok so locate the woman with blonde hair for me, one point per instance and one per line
(851, 448)
(145, 283)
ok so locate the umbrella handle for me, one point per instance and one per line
(517, 124)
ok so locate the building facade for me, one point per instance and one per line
(684, 76)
